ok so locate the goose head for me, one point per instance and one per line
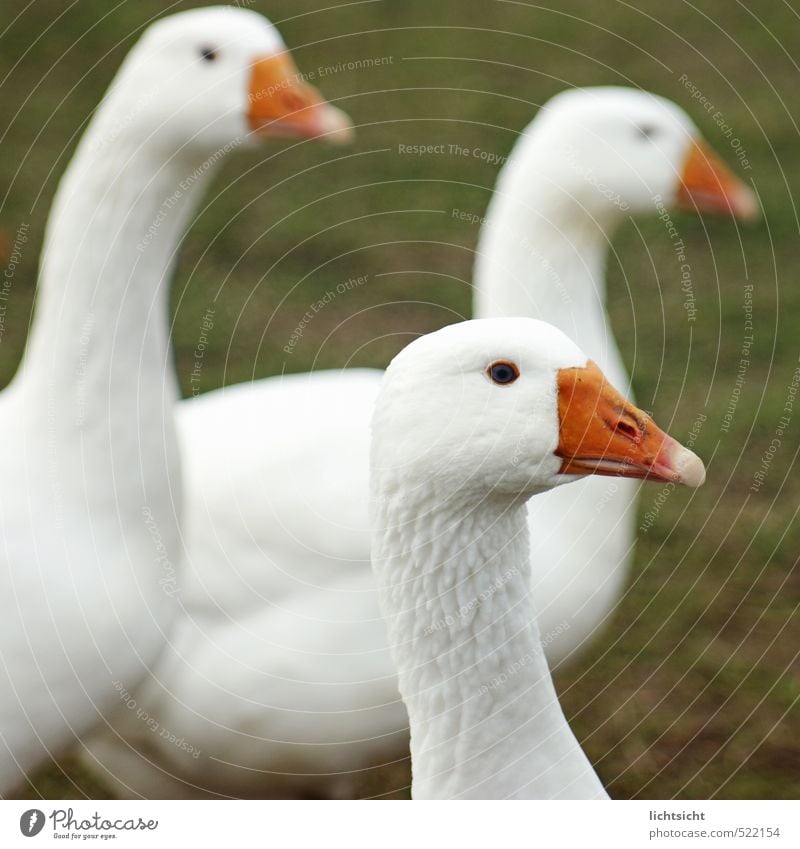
(618, 150)
(511, 406)
(212, 78)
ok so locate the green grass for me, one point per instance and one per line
(693, 692)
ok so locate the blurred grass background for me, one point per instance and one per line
(693, 692)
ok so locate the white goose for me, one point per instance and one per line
(471, 422)
(91, 494)
(591, 159)
(279, 672)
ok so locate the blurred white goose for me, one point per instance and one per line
(279, 673)
(91, 494)
(592, 158)
(472, 421)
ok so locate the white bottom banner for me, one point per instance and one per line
(458, 825)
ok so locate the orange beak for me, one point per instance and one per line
(708, 185)
(600, 433)
(281, 103)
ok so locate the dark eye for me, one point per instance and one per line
(209, 54)
(647, 131)
(502, 372)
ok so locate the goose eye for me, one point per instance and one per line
(209, 54)
(502, 372)
(647, 131)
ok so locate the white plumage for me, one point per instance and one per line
(277, 518)
(91, 496)
(454, 458)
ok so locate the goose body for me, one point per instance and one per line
(279, 671)
(229, 574)
(278, 509)
(91, 500)
(471, 422)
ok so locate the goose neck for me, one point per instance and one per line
(97, 383)
(484, 716)
(542, 254)
(110, 245)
